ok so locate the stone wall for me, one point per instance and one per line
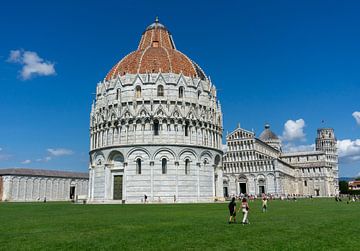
(195, 184)
(30, 188)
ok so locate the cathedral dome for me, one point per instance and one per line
(156, 53)
(268, 135)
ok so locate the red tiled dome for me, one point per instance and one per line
(156, 53)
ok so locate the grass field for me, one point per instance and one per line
(318, 224)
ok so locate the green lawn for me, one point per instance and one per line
(318, 224)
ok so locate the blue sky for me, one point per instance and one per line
(289, 63)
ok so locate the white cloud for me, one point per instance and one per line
(349, 150)
(45, 159)
(348, 147)
(33, 65)
(298, 148)
(15, 56)
(26, 162)
(60, 151)
(356, 116)
(294, 130)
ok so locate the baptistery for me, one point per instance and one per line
(155, 128)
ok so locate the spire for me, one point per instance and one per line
(156, 19)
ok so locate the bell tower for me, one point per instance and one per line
(326, 142)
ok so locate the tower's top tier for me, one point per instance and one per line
(156, 52)
(325, 134)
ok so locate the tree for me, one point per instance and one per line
(343, 186)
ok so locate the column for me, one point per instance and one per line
(152, 180)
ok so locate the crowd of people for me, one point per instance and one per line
(244, 207)
(347, 197)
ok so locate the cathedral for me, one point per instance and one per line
(257, 165)
(155, 128)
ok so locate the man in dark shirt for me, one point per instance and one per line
(232, 210)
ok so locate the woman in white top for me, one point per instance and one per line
(245, 210)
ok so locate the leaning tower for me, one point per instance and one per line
(155, 128)
(326, 142)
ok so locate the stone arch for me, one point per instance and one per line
(187, 152)
(242, 178)
(206, 153)
(116, 158)
(98, 159)
(138, 152)
(260, 177)
(164, 152)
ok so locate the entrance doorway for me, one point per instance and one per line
(242, 187)
(226, 193)
(261, 190)
(118, 183)
(317, 192)
(72, 192)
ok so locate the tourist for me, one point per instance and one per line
(145, 198)
(232, 210)
(245, 210)
(264, 204)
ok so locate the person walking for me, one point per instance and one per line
(232, 210)
(245, 210)
(264, 204)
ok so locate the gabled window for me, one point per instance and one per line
(181, 92)
(138, 92)
(160, 91)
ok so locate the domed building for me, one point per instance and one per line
(155, 128)
(270, 138)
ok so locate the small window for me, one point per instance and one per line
(305, 183)
(187, 166)
(187, 129)
(138, 92)
(181, 92)
(160, 91)
(199, 93)
(156, 127)
(155, 44)
(138, 166)
(117, 94)
(164, 166)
